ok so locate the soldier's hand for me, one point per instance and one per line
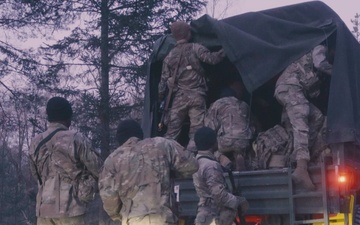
(243, 205)
(116, 218)
(161, 96)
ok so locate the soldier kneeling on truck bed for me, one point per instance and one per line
(297, 83)
(229, 117)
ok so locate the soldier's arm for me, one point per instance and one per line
(183, 162)
(108, 189)
(87, 154)
(165, 75)
(206, 56)
(210, 119)
(320, 60)
(215, 180)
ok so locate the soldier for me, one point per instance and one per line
(295, 85)
(136, 183)
(183, 74)
(230, 118)
(217, 206)
(65, 166)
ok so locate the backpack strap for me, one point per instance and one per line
(36, 153)
(205, 157)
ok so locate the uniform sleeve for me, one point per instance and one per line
(211, 118)
(183, 162)
(88, 156)
(216, 182)
(320, 61)
(206, 56)
(108, 189)
(165, 75)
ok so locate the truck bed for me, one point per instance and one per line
(271, 192)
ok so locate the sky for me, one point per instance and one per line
(346, 9)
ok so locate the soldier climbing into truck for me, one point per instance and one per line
(185, 80)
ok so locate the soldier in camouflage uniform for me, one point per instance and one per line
(217, 206)
(136, 183)
(190, 83)
(57, 163)
(230, 118)
(296, 84)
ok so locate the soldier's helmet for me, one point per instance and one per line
(180, 30)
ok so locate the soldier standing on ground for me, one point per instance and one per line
(136, 183)
(230, 118)
(65, 166)
(189, 90)
(295, 85)
(217, 206)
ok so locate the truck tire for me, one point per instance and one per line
(356, 216)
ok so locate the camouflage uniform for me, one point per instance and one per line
(230, 118)
(135, 184)
(190, 88)
(64, 156)
(294, 86)
(217, 206)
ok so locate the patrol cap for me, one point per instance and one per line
(205, 138)
(180, 30)
(58, 109)
(128, 128)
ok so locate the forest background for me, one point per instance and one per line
(92, 52)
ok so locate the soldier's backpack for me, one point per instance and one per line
(84, 183)
(271, 143)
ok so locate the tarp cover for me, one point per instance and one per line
(262, 44)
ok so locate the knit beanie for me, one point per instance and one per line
(180, 30)
(127, 129)
(205, 138)
(58, 109)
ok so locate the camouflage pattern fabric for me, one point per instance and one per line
(64, 157)
(273, 141)
(295, 84)
(191, 76)
(184, 105)
(190, 86)
(76, 220)
(320, 61)
(230, 118)
(136, 180)
(214, 195)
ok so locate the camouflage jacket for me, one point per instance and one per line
(190, 75)
(137, 178)
(210, 185)
(302, 72)
(230, 118)
(66, 155)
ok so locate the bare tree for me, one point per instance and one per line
(218, 8)
(356, 26)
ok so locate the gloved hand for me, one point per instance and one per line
(243, 205)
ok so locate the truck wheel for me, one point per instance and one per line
(356, 215)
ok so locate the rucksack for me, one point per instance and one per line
(274, 141)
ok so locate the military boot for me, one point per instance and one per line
(301, 175)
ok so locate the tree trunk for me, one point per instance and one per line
(104, 113)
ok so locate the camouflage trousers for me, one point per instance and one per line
(226, 145)
(152, 219)
(208, 216)
(303, 118)
(190, 104)
(76, 220)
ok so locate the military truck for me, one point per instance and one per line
(259, 46)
